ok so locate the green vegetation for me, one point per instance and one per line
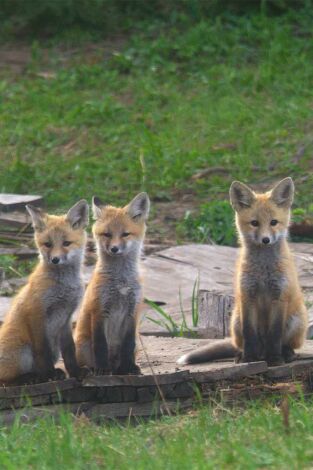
(228, 91)
(11, 266)
(166, 321)
(211, 223)
(208, 438)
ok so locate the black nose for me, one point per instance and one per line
(114, 249)
(55, 260)
(265, 240)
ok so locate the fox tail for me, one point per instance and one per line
(222, 350)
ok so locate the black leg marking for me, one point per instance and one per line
(44, 363)
(288, 354)
(127, 362)
(274, 338)
(251, 342)
(68, 351)
(100, 350)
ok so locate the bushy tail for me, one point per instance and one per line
(211, 352)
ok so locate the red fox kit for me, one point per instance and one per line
(105, 334)
(269, 319)
(37, 326)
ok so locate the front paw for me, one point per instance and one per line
(135, 370)
(58, 374)
(101, 371)
(289, 355)
(273, 361)
(248, 358)
(79, 373)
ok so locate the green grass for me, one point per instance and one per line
(14, 267)
(162, 108)
(210, 438)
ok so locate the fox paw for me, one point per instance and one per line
(275, 361)
(80, 373)
(289, 355)
(58, 374)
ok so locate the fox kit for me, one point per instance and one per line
(38, 325)
(105, 334)
(269, 319)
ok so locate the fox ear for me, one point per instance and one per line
(138, 208)
(241, 197)
(78, 215)
(37, 216)
(97, 207)
(282, 193)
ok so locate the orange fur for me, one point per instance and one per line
(114, 228)
(264, 208)
(25, 323)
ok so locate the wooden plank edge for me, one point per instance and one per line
(136, 380)
(97, 411)
(233, 372)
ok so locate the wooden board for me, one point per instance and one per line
(15, 220)
(10, 202)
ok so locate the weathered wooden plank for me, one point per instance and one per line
(293, 369)
(232, 372)
(97, 411)
(10, 202)
(38, 389)
(135, 380)
(15, 220)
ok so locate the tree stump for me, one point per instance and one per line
(214, 314)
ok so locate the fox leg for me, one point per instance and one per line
(68, 353)
(128, 351)
(100, 348)
(274, 336)
(251, 342)
(43, 359)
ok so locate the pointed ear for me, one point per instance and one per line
(78, 215)
(37, 216)
(96, 207)
(138, 208)
(282, 193)
(241, 197)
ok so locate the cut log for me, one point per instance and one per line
(11, 202)
(214, 314)
(15, 220)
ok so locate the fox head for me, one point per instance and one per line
(120, 231)
(262, 219)
(60, 239)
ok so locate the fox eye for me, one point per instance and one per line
(274, 222)
(107, 234)
(48, 244)
(67, 243)
(254, 223)
(125, 234)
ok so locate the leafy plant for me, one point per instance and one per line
(11, 266)
(213, 223)
(166, 321)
